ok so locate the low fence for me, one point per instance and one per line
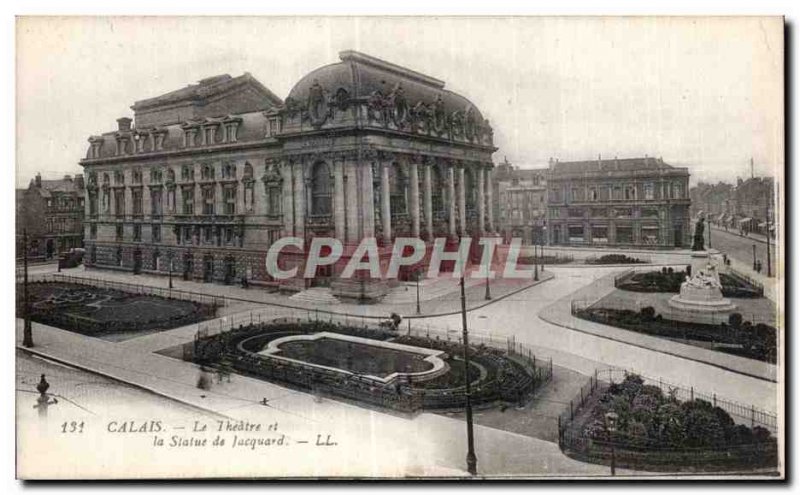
(508, 387)
(641, 260)
(147, 290)
(758, 286)
(633, 451)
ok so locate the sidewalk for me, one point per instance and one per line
(367, 442)
(442, 304)
(753, 236)
(560, 314)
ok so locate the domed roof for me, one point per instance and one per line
(362, 76)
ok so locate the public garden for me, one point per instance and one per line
(627, 423)
(378, 368)
(102, 310)
(641, 303)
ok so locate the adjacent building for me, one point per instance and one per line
(748, 206)
(52, 213)
(203, 180)
(632, 202)
(520, 202)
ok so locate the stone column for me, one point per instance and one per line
(462, 203)
(489, 199)
(481, 200)
(451, 200)
(338, 198)
(414, 172)
(386, 205)
(367, 200)
(287, 196)
(428, 201)
(299, 199)
(352, 203)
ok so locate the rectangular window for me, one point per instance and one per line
(624, 235)
(188, 201)
(156, 230)
(230, 200)
(137, 201)
(119, 232)
(137, 232)
(208, 201)
(575, 212)
(575, 233)
(228, 235)
(650, 234)
(599, 234)
(187, 234)
(649, 191)
(93, 231)
(119, 203)
(156, 206)
(207, 235)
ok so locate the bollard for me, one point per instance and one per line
(752, 416)
(571, 412)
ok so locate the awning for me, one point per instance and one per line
(744, 220)
(762, 225)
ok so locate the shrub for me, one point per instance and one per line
(648, 313)
(703, 428)
(735, 320)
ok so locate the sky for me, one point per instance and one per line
(704, 93)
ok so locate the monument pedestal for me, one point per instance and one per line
(701, 298)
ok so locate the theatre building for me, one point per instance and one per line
(206, 178)
(633, 202)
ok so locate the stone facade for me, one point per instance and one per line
(521, 202)
(636, 202)
(52, 212)
(360, 148)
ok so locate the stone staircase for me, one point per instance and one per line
(316, 295)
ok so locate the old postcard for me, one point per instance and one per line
(400, 248)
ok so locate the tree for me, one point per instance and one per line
(735, 320)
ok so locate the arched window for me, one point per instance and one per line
(170, 175)
(229, 171)
(397, 189)
(248, 171)
(207, 172)
(321, 189)
(106, 179)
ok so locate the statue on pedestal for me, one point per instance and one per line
(699, 244)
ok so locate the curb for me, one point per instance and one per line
(642, 346)
(144, 388)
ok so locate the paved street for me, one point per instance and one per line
(519, 316)
(741, 248)
(368, 442)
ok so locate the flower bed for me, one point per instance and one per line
(655, 431)
(495, 377)
(735, 337)
(670, 280)
(614, 259)
(100, 311)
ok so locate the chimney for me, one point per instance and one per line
(124, 123)
(68, 178)
(646, 160)
(38, 180)
(79, 181)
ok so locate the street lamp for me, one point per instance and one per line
(754, 257)
(611, 427)
(535, 264)
(27, 332)
(416, 277)
(472, 460)
(43, 401)
(170, 268)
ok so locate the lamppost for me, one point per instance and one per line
(535, 264)
(754, 257)
(769, 260)
(43, 401)
(27, 332)
(170, 268)
(611, 427)
(417, 274)
(472, 460)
